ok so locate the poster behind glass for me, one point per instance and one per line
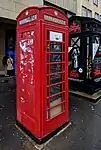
(97, 64)
(75, 59)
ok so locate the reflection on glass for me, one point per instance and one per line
(55, 68)
(56, 100)
(55, 111)
(55, 47)
(55, 89)
(58, 97)
(55, 57)
(55, 78)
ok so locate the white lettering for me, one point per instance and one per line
(29, 19)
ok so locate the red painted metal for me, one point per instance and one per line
(40, 108)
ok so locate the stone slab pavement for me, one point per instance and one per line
(83, 134)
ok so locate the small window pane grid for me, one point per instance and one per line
(86, 12)
(55, 77)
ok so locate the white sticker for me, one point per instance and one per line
(80, 70)
(56, 36)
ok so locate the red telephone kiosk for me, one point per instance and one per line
(42, 76)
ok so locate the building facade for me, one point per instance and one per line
(9, 9)
(89, 8)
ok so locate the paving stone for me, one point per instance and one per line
(83, 134)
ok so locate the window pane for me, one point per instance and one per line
(55, 78)
(55, 47)
(58, 98)
(89, 13)
(55, 111)
(55, 68)
(96, 16)
(55, 89)
(55, 57)
(95, 2)
(84, 12)
(53, 102)
(100, 18)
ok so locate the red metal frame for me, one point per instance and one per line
(53, 123)
(34, 109)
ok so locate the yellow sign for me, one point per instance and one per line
(53, 19)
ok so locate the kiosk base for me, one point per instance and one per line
(91, 97)
(46, 138)
(89, 87)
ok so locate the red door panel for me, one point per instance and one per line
(26, 72)
(55, 73)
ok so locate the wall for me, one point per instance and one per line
(66, 4)
(11, 8)
(89, 5)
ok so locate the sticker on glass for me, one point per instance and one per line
(56, 36)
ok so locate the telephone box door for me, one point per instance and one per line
(55, 75)
(25, 75)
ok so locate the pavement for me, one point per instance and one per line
(83, 134)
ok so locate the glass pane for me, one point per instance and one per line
(55, 78)
(89, 13)
(55, 47)
(96, 16)
(57, 98)
(55, 57)
(95, 2)
(55, 68)
(55, 111)
(55, 89)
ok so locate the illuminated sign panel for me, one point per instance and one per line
(53, 19)
(28, 19)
